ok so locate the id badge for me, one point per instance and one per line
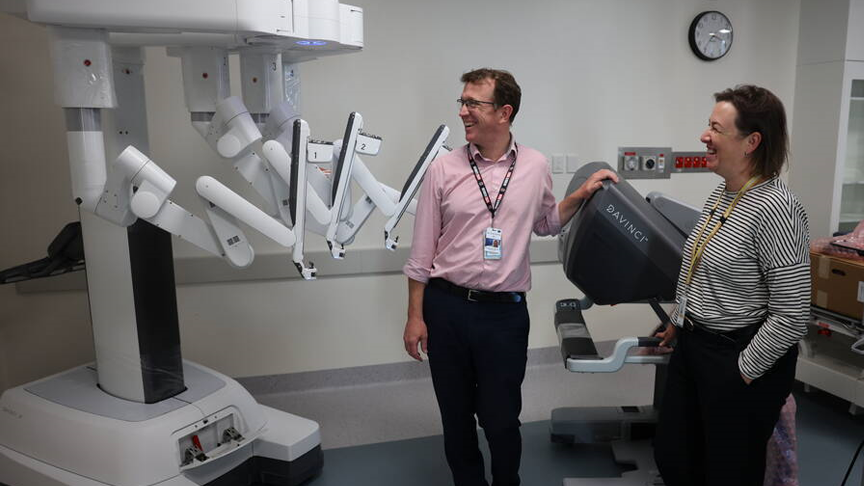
(682, 308)
(492, 244)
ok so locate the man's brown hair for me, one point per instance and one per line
(507, 91)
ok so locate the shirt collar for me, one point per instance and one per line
(513, 151)
(762, 183)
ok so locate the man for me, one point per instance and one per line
(469, 270)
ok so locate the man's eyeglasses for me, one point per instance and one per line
(473, 104)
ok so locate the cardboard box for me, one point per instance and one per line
(838, 284)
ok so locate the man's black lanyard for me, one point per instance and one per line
(492, 208)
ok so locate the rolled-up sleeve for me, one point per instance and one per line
(549, 221)
(427, 226)
(782, 245)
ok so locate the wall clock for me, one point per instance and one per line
(710, 35)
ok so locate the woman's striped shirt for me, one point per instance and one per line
(756, 268)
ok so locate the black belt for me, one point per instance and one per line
(476, 295)
(740, 336)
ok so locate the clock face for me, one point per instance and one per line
(710, 35)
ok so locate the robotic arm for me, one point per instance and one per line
(292, 170)
(225, 122)
(406, 200)
(374, 193)
(234, 135)
(230, 129)
(391, 203)
(122, 204)
(231, 204)
(137, 188)
(341, 179)
(325, 199)
(282, 180)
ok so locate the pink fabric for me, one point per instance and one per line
(824, 246)
(452, 218)
(781, 459)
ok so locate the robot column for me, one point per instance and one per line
(130, 275)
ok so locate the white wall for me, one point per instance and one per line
(830, 51)
(814, 144)
(822, 35)
(855, 42)
(594, 75)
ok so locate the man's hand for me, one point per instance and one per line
(415, 333)
(594, 182)
(570, 204)
(746, 380)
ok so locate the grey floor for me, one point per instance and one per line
(389, 433)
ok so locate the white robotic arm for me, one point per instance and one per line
(230, 129)
(233, 134)
(374, 193)
(132, 168)
(225, 207)
(225, 122)
(325, 198)
(292, 170)
(122, 204)
(341, 179)
(138, 188)
(219, 195)
(390, 202)
(370, 145)
(406, 202)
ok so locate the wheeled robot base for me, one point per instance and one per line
(65, 431)
(636, 454)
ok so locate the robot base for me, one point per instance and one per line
(628, 430)
(637, 454)
(64, 431)
(589, 425)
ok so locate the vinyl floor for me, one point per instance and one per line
(381, 447)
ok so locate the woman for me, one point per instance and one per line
(743, 303)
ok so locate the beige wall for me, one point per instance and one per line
(595, 75)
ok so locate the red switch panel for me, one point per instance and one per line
(686, 162)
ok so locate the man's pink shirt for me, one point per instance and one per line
(452, 219)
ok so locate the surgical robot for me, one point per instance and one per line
(141, 415)
(619, 248)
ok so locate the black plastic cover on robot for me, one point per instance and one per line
(618, 248)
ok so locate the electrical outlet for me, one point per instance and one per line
(631, 161)
(645, 162)
(559, 162)
(572, 163)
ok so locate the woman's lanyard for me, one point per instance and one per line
(699, 245)
(492, 207)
